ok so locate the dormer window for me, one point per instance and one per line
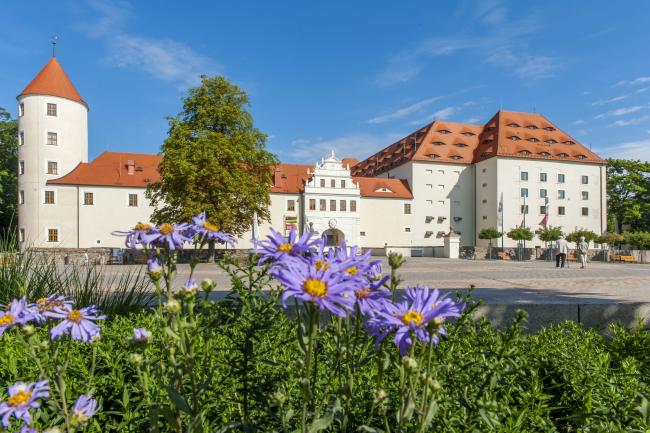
(533, 140)
(581, 156)
(444, 131)
(460, 145)
(383, 189)
(549, 128)
(562, 155)
(569, 142)
(514, 138)
(468, 134)
(551, 141)
(433, 156)
(524, 152)
(513, 125)
(456, 157)
(438, 143)
(544, 154)
(532, 127)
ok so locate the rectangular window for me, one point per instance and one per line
(312, 204)
(407, 208)
(362, 233)
(524, 209)
(332, 205)
(542, 210)
(343, 205)
(333, 183)
(524, 192)
(429, 185)
(561, 194)
(560, 178)
(543, 177)
(51, 109)
(133, 200)
(543, 193)
(21, 138)
(561, 210)
(353, 205)
(291, 205)
(343, 183)
(52, 167)
(407, 229)
(524, 175)
(584, 180)
(49, 197)
(484, 185)
(21, 109)
(52, 138)
(21, 167)
(484, 217)
(585, 211)
(322, 183)
(89, 198)
(52, 235)
(21, 235)
(484, 170)
(484, 201)
(585, 195)
(21, 197)
(323, 205)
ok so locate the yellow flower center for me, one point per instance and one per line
(166, 228)
(353, 270)
(140, 227)
(209, 227)
(315, 288)
(362, 293)
(412, 317)
(7, 319)
(75, 316)
(41, 301)
(322, 264)
(286, 248)
(19, 398)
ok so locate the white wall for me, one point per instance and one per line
(383, 222)
(278, 211)
(487, 198)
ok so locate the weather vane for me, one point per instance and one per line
(55, 39)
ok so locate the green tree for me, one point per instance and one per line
(611, 238)
(490, 234)
(575, 236)
(638, 239)
(520, 234)
(8, 170)
(628, 192)
(549, 234)
(214, 159)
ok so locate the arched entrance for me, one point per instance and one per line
(333, 237)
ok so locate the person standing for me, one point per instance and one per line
(561, 248)
(583, 249)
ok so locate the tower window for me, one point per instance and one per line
(343, 205)
(49, 197)
(312, 204)
(21, 197)
(21, 109)
(353, 205)
(21, 167)
(133, 200)
(51, 109)
(52, 235)
(407, 208)
(52, 138)
(291, 205)
(52, 167)
(21, 235)
(89, 199)
(21, 138)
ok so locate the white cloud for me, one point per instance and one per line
(162, 58)
(442, 114)
(357, 145)
(578, 122)
(404, 111)
(619, 112)
(473, 120)
(633, 121)
(634, 82)
(524, 65)
(629, 150)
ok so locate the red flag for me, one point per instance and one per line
(544, 220)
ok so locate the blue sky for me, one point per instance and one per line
(347, 75)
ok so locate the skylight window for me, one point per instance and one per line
(562, 155)
(456, 157)
(533, 140)
(438, 143)
(532, 127)
(581, 156)
(544, 154)
(468, 134)
(433, 156)
(549, 128)
(551, 141)
(513, 125)
(444, 131)
(524, 152)
(569, 142)
(514, 138)
(460, 145)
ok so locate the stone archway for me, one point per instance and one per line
(333, 237)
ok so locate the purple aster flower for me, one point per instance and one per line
(277, 248)
(140, 336)
(327, 287)
(208, 231)
(51, 303)
(22, 398)
(421, 314)
(136, 235)
(369, 298)
(356, 265)
(28, 429)
(172, 236)
(17, 313)
(83, 409)
(80, 324)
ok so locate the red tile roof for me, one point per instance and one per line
(290, 178)
(112, 169)
(441, 141)
(53, 81)
(382, 187)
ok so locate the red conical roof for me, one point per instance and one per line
(53, 81)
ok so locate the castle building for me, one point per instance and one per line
(444, 178)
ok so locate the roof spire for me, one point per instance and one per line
(55, 39)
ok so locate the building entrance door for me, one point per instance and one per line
(333, 237)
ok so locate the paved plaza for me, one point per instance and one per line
(508, 282)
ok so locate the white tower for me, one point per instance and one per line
(53, 140)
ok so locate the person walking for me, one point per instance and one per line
(583, 249)
(561, 248)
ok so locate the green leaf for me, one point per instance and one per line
(178, 400)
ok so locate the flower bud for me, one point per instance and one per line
(380, 395)
(29, 329)
(173, 306)
(52, 430)
(279, 397)
(45, 344)
(190, 289)
(207, 285)
(409, 363)
(433, 384)
(154, 269)
(140, 336)
(136, 359)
